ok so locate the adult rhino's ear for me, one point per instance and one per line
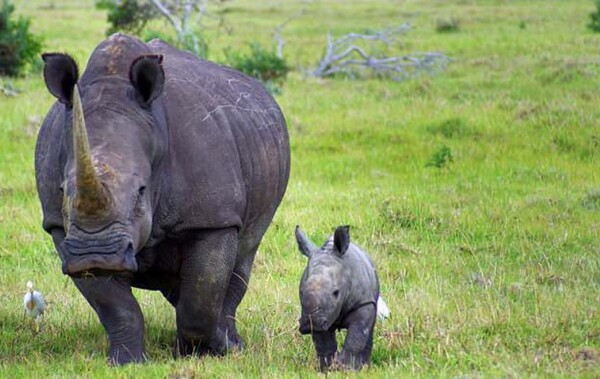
(341, 239)
(60, 75)
(147, 77)
(306, 246)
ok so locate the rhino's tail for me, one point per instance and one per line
(383, 311)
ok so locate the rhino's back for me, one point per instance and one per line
(229, 143)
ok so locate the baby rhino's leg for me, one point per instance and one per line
(326, 347)
(359, 340)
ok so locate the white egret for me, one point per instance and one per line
(383, 311)
(33, 303)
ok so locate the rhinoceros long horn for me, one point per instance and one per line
(91, 197)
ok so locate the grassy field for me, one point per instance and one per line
(490, 265)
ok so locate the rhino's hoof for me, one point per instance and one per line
(325, 362)
(183, 348)
(348, 361)
(122, 358)
(234, 342)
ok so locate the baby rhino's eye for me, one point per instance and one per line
(336, 293)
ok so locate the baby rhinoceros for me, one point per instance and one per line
(339, 290)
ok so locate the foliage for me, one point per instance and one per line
(261, 63)
(193, 42)
(18, 46)
(440, 158)
(594, 24)
(451, 128)
(186, 19)
(447, 25)
(132, 16)
(128, 16)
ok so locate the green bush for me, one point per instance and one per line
(260, 63)
(595, 18)
(454, 127)
(18, 47)
(440, 158)
(128, 16)
(447, 25)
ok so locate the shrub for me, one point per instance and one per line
(126, 15)
(594, 24)
(260, 63)
(447, 25)
(451, 128)
(440, 158)
(18, 47)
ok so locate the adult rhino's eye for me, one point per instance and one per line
(141, 190)
(336, 293)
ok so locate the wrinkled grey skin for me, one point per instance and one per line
(186, 164)
(339, 290)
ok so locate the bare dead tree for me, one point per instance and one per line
(344, 55)
(183, 16)
(277, 33)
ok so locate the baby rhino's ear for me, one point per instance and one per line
(306, 246)
(341, 239)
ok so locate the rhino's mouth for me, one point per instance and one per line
(80, 259)
(311, 322)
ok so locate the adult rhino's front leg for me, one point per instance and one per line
(206, 268)
(119, 313)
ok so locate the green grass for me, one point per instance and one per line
(489, 264)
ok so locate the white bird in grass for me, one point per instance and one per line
(34, 304)
(383, 311)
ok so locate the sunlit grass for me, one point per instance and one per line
(489, 263)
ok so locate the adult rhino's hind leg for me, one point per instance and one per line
(238, 285)
(119, 313)
(206, 267)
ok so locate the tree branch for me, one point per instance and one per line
(343, 55)
(278, 30)
(174, 20)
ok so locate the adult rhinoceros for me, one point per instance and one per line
(161, 171)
